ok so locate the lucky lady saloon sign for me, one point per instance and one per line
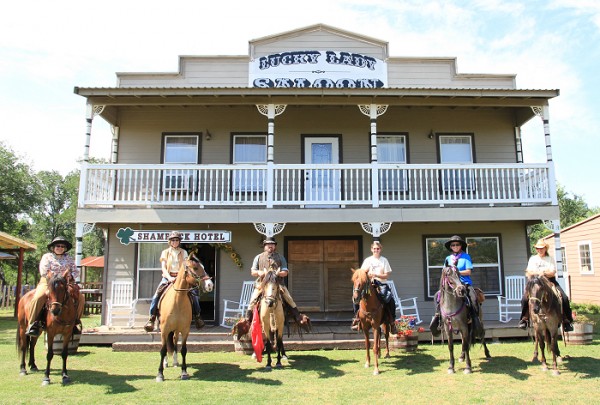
(128, 235)
(318, 69)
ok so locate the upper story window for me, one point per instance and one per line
(586, 264)
(180, 148)
(485, 254)
(456, 149)
(391, 148)
(248, 150)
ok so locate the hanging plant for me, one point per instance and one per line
(233, 255)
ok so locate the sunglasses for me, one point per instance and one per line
(61, 246)
(455, 244)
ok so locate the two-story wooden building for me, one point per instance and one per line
(322, 139)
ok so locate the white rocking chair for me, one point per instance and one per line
(405, 307)
(234, 310)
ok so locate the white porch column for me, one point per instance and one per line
(519, 145)
(373, 111)
(115, 144)
(270, 111)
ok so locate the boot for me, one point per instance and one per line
(523, 323)
(249, 315)
(198, 321)
(149, 326)
(297, 316)
(355, 324)
(34, 329)
(434, 326)
(567, 326)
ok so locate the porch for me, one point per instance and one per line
(306, 186)
(325, 335)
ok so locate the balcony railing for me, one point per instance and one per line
(300, 185)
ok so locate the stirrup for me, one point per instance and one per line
(523, 323)
(34, 330)
(149, 326)
(355, 324)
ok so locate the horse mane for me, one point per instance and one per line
(361, 275)
(547, 286)
(269, 277)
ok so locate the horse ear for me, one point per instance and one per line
(353, 270)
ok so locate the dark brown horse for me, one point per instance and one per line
(371, 314)
(272, 317)
(175, 310)
(546, 316)
(60, 319)
(455, 317)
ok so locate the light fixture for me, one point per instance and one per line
(431, 134)
(208, 136)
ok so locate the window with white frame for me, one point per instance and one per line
(149, 269)
(177, 149)
(485, 254)
(586, 265)
(563, 255)
(391, 148)
(456, 149)
(249, 150)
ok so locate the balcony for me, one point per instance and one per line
(300, 185)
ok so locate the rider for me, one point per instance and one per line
(379, 271)
(55, 262)
(271, 259)
(464, 266)
(543, 264)
(172, 262)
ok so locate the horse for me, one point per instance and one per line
(371, 312)
(546, 315)
(455, 317)
(272, 317)
(176, 316)
(60, 319)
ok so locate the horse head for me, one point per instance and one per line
(451, 282)
(58, 293)
(191, 272)
(270, 287)
(538, 289)
(362, 284)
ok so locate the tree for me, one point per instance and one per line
(572, 210)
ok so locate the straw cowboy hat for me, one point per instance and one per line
(541, 243)
(456, 238)
(60, 239)
(175, 235)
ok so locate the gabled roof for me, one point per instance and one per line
(578, 224)
(8, 242)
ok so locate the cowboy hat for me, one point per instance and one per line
(456, 238)
(541, 243)
(60, 239)
(175, 235)
(268, 240)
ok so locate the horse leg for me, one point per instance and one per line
(450, 351)
(160, 377)
(367, 346)
(386, 333)
(542, 344)
(269, 347)
(279, 351)
(376, 349)
(49, 356)
(466, 341)
(32, 366)
(535, 350)
(184, 373)
(175, 361)
(485, 350)
(65, 354)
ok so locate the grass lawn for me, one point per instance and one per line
(101, 376)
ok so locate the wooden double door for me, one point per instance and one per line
(320, 273)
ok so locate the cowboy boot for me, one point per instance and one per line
(149, 326)
(78, 327)
(34, 329)
(355, 324)
(249, 315)
(296, 314)
(198, 321)
(434, 326)
(524, 320)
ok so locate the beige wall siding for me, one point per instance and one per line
(142, 130)
(583, 288)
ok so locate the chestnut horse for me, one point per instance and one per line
(455, 316)
(272, 317)
(175, 310)
(546, 315)
(60, 319)
(371, 314)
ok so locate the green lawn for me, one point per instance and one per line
(101, 376)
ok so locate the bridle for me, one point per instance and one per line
(194, 275)
(454, 288)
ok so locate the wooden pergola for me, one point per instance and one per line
(17, 247)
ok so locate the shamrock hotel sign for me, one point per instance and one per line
(128, 235)
(318, 69)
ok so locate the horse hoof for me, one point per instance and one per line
(268, 368)
(555, 373)
(285, 358)
(450, 371)
(367, 365)
(34, 369)
(66, 380)
(185, 376)
(544, 368)
(387, 356)
(375, 372)
(23, 372)
(45, 382)
(278, 366)
(467, 371)
(160, 378)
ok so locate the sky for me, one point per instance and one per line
(48, 48)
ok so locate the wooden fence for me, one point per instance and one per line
(91, 291)
(8, 294)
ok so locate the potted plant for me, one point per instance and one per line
(407, 337)
(583, 330)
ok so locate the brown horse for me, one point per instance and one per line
(455, 317)
(175, 310)
(60, 319)
(272, 317)
(371, 314)
(546, 315)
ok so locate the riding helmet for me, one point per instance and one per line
(60, 239)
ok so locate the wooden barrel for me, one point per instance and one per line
(583, 334)
(244, 345)
(406, 343)
(57, 345)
